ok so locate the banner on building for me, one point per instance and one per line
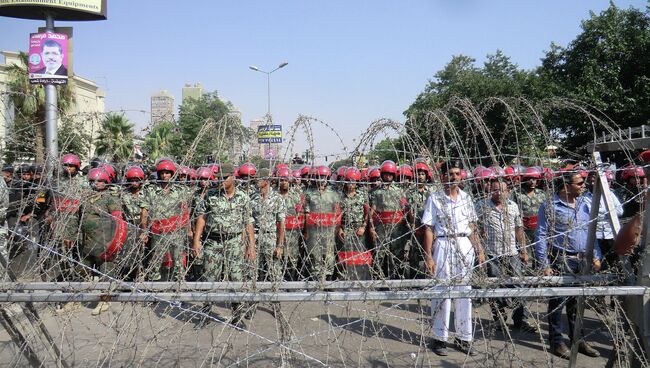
(48, 58)
(62, 9)
(269, 134)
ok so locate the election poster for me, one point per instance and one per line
(48, 58)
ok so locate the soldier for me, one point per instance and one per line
(294, 223)
(205, 181)
(353, 256)
(405, 176)
(245, 173)
(269, 213)
(103, 230)
(323, 214)
(165, 216)
(417, 197)
(635, 182)
(224, 237)
(388, 227)
(529, 199)
(132, 198)
(20, 210)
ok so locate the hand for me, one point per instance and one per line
(361, 231)
(548, 271)
(523, 256)
(25, 218)
(197, 252)
(341, 235)
(595, 265)
(278, 252)
(144, 237)
(430, 265)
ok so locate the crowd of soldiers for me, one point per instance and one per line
(226, 223)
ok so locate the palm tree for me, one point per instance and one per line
(115, 138)
(159, 141)
(27, 139)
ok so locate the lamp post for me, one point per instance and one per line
(268, 92)
(268, 84)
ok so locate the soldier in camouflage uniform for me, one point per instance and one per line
(529, 199)
(388, 228)
(101, 228)
(294, 201)
(166, 218)
(132, 198)
(205, 181)
(269, 213)
(224, 236)
(417, 197)
(354, 259)
(323, 214)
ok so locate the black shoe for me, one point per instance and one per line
(562, 351)
(587, 350)
(526, 327)
(439, 347)
(465, 347)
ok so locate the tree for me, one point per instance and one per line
(160, 140)
(26, 141)
(605, 67)
(115, 139)
(73, 138)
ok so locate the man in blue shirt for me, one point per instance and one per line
(560, 246)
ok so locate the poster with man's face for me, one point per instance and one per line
(48, 58)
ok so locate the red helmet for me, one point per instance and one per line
(134, 172)
(247, 169)
(278, 167)
(110, 170)
(352, 174)
(98, 174)
(477, 171)
(204, 173)
(71, 159)
(364, 174)
(632, 171)
(340, 172)
(193, 174)
(184, 170)
(214, 168)
(406, 171)
(463, 174)
(374, 173)
(548, 173)
(166, 165)
(296, 174)
(283, 172)
(388, 167)
(532, 173)
(422, 166)
(305, 171)
(485, 174)
(498, 171)
(323, 171)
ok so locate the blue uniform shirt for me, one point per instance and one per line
(564, 228)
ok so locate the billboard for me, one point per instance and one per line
(269, 134)
(48, 58)
(62, 9)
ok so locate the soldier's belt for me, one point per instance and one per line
(222, 237)
(355, 258)
(324, 219)
(66, 205)
(171, 224)
(388, 217)
(294, 222)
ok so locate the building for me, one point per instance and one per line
(268, 151)
(162, 107)
(192, 91)
(88, 109)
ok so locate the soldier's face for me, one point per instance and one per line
(135, 183)
(262, 183)
(284, 184)
(165, 176)
(422, 177)
(228, 182)
(388, 177)
(6, 175)
(98, 185)
(71, 170)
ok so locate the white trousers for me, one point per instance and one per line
(454, 259)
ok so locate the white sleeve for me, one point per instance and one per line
(429, 214)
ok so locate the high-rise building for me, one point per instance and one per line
(192, 91)
(268, 151)
(162, 107)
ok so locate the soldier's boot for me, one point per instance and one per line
(101, 307)
(68, 308)
(238, 315)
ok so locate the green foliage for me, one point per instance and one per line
(607, 67)
(160, 141)
(73, 138)
(115, 139)
(387, 149)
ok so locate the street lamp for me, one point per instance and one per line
(268, 84)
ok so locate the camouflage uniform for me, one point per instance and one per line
(529, 206)
(225, 220)
(323, 214)
(416, 198)
(168, 215)
(353, 256)
(388, 205)
(132, 254)
(97, 229)
(294, 224)
(64, 211)
(266, 213)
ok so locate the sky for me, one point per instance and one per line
(350, 62)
